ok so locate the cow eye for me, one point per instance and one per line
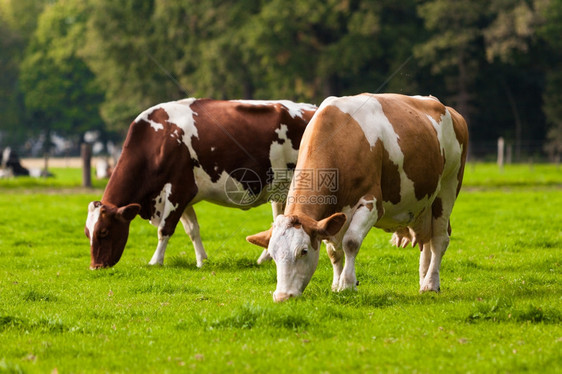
(303, 252)
(103, 233)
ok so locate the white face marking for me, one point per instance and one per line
(294, 270)
(163, 206)
(92, 220)
(295, 109)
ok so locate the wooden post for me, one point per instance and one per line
(86, 154)
(501, 147)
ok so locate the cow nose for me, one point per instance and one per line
(282, 296)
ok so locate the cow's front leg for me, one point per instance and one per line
(363, 219)
(336, 256)
(277, 208)
(191, 227)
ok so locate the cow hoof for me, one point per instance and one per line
(430, 289)
(347, 286)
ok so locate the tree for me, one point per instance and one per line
(18, 19)
(205, 42)
(132, 68)
(510, 40)
(60, 91)
(551, 32)
(310, 50)
(453, 49)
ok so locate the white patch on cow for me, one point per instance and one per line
(419, 97)
(294, 109)
(92, 220)
(180, 114)
(220, 192)
(163, 206)
(367, 111)
(282, 154)
(213, 149)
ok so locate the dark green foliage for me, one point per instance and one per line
(76, 65)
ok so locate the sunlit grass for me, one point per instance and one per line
(500, 309)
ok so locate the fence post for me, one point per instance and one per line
(501, 147)
(86, 154)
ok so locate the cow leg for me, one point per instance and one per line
(363, 219)
(158, 256)
(438, 245)
(425, 260)
(191, 227)
(336, 256)
(277, 208)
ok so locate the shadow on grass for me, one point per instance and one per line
(231, 264)
(504, 309)
(251, 316)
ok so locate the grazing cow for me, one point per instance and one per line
(10, 162)
(398, 162)
(179, 153)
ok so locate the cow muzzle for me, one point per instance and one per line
(283, 296)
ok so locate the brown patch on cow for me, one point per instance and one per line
(437, 208)
(390, 178)
(335, 141)
(423, 163)
(241, 135)
(159, 115)
(144, 168)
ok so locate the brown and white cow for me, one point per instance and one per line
(179, 153)
(399, 163)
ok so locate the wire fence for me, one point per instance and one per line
(526, 151)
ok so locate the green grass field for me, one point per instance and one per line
(499, 311)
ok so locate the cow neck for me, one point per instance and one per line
(123, 188)
(301, 204)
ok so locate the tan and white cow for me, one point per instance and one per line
(398, 162)
(182, 152)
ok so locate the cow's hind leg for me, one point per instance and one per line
(191, 227)
(158, 256)
(430, 263)
(425, 260)
(437, 245)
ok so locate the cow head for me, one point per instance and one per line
(107, 227)
(293, 242)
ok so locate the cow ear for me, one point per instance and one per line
(128, 212)
(330, 226)
(261, 239)
(93, 205)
